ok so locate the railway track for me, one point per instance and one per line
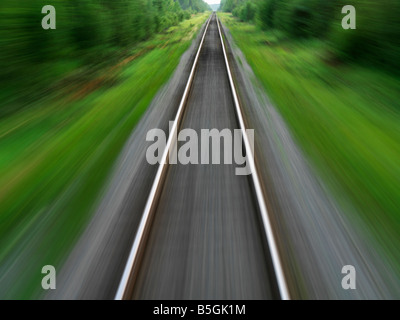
(205, 232)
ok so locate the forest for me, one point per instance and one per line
(338, 90)
(68, 105)
(376, 41)
(88, 32)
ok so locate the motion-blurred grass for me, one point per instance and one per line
(57, 151)
(345, 116)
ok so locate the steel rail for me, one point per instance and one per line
(141, 234)
(276, 261)
(133, 262)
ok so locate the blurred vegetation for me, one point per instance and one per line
(88, 33)
(74, 96)
(345, 116)
(376, 41)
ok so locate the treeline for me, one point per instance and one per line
(194, 5)
(83, 26)
(246, 10)
(376, 39)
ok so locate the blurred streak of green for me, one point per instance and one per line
(376, 40)
(88, 33)
(70, 98)
(345, 116)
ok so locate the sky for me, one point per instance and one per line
(212, 1)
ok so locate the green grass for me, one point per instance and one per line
(57, 154)
(345, 117)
